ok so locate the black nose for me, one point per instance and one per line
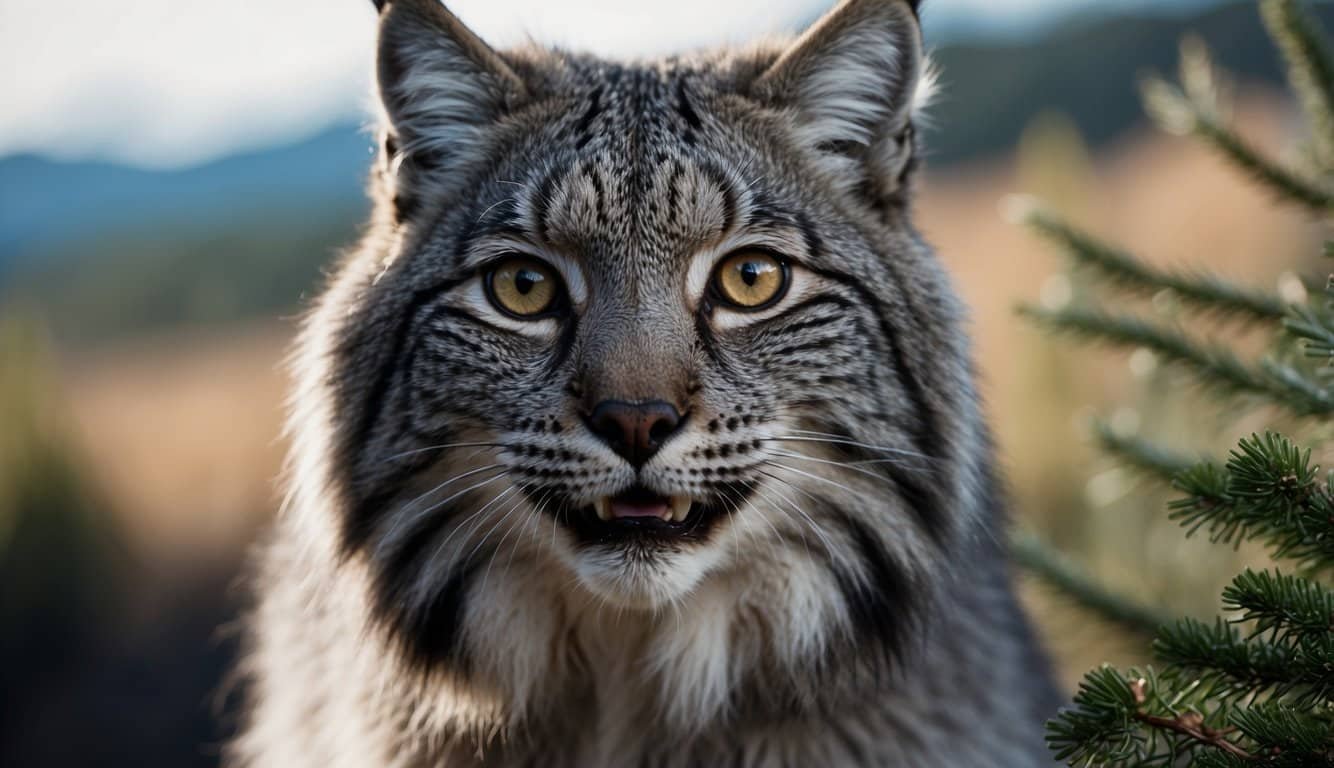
(634, 430)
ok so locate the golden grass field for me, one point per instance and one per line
(182, 432)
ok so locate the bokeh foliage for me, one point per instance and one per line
(1257, 686)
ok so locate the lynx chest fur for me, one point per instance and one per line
(640, 429)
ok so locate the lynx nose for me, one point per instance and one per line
(634, 430)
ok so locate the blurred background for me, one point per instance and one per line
(174, 177)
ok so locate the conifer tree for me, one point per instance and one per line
(1256, 686)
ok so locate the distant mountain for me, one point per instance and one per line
(45, 202)
(108, 249)
(1087, 69)
(950, 22)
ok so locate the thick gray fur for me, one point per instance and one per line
(422, 600)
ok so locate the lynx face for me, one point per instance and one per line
(630, 332)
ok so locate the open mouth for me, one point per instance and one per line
(639, 514)
(639, 505)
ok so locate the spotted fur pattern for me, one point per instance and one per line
(427, 597)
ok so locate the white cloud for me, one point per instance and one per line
(163, 82)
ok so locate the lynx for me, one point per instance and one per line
(640, 429)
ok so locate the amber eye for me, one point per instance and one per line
(750, 279)
(523, 287)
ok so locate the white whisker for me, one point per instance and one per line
(492, 206)
(807, 436)
(815, 527)
(817, 478)
(518, 503)
(441, 447)
(499, 496)
(843, 465)
(403, 519)
(773, 546)
(769, 495)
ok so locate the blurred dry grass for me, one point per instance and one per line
(182, 433)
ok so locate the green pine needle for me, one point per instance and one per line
(1313, 324)
(1194, 111)
(1217, 655)
(1317, 330)
(1143, 455)
(1228, 667)
(1284, 729)
(1256, 688)
(1281, 181)
(1204, 291)
(1268, 490)
(1212, 365)
(1280, 605)
(1310, 69)
(1101, 723)
(1035, 556)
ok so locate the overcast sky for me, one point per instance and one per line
(171, 82)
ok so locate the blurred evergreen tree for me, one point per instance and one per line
(1256, 687)
(55, 555)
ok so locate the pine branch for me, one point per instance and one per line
(1191, 725)
(1196, 113)
(1228, 667)
(1219, 760)
(1100, 725)
(1257, 689)
(1313, 324)
(1315, 328)
(1125, 720)
(1069, 579)
(1216, 654)
(1143, 455)
(1211, 365)
(1205, 291)
(1282, 181)
(1310, 69)
(1285, 730)
(1280, 605)
(1302, 381)
(1268, 490)
(1221, 702)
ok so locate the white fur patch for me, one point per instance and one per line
(924, 95)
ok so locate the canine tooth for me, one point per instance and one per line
(603, 506)
(680, 508)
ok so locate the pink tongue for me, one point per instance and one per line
(621, 509)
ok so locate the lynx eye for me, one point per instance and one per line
(523, 287)
(750, 280)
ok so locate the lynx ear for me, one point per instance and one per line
(854, 80)
(441, 86)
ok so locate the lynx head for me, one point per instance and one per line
(648, 337)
